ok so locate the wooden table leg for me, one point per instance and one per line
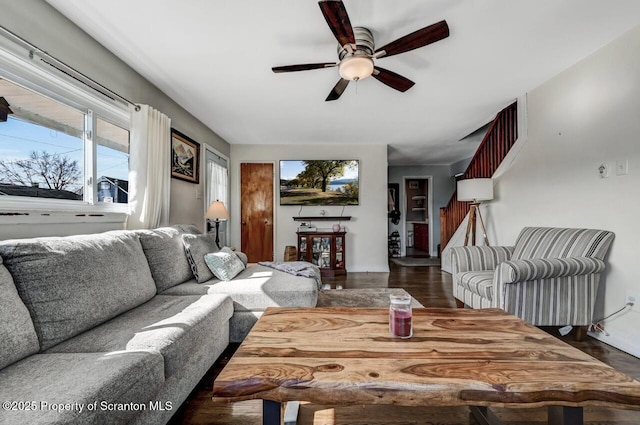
(565, 415)
(484, 415)
(581, 333)
(271, 412)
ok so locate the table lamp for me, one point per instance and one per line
(217, 212)
(476, 191)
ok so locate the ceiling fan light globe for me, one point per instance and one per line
(356, 68)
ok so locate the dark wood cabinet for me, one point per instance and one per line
(421, 236)
(326, 249)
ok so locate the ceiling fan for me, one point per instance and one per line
(356, 50)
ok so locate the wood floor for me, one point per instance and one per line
(432, 288)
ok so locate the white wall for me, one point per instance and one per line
(586, 115)
(367, 230)
(460, 166)
(40, 24)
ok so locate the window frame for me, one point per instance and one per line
(21, 65)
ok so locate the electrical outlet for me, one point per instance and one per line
(603, 170)
(633, 297)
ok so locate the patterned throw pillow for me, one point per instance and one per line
(196, 247)
(224, 264)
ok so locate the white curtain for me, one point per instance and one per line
(217, 185)
(149, 169)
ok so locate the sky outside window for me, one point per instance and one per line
(18, 139)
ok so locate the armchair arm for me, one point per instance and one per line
(478, 258)
(543, 268)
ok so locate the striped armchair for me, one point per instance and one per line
(549, 278)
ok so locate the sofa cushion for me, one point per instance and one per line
(224, 264)
(196, 247)
(77, 380)
(173, 326)
(73, 283)
(550, 242)
(480, 282)
(256, 288)
(17, 333)
(165, 253)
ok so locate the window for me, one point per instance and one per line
(112, 162)
(217, 187)
(61, 141)
(41, 146)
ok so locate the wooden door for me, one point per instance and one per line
(421, 236)
(256, 211)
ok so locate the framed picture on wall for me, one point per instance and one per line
(185, 157)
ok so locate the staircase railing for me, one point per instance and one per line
(495, 145)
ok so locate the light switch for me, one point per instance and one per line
(198, 193)
(622, 167)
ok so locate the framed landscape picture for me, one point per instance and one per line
(319, 182)
(185, 157)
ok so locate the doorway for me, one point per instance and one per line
(256, 210)
(417, 205)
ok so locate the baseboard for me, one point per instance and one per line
(369, 269)
(621, 343)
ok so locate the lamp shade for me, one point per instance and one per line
(354, 68)
(217, 211)
(475, 190)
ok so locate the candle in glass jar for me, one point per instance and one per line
(400, 323)
(400, 315)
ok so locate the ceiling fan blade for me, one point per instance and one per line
(303, 67)
(393, 80)
(338, 90)
(336, 15)
(427, 35)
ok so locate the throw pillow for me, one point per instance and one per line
(224, 264)
(163, 249)
(195, 247)
(243, 257)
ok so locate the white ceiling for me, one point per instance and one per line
(214, 58)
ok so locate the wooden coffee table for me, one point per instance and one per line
(456, 357)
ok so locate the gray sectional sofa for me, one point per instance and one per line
(113, 328)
